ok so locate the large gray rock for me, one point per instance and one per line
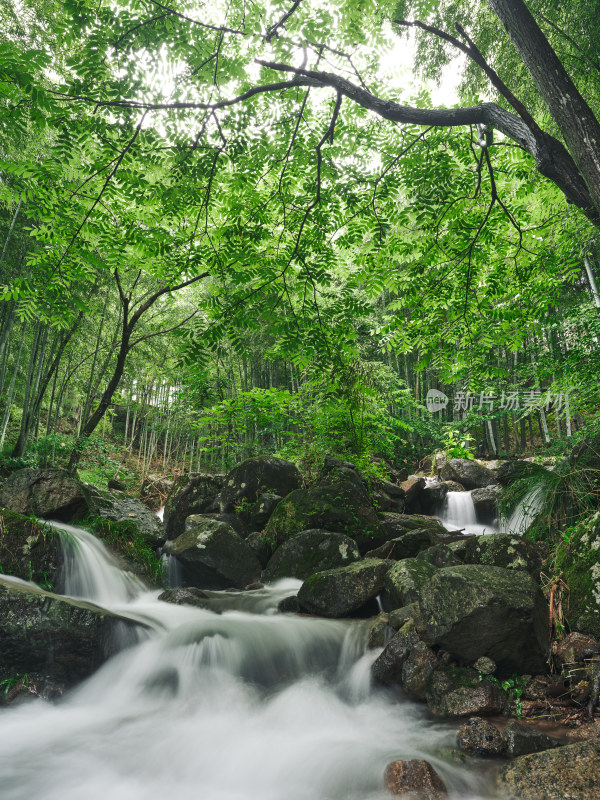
(417, 670)
(59, 638)
(432, 497)
(486, 502)
(340, 592)
(475, 610)
(522, 740)
(468, 473)
(460, 692)
(412, 487)
(387, 667)
(213, 556)
(338, 507)
(309, 552)
(566, 772)
(398, 524)
(404, 582)
(409, 545)
(478, 737)
(255, 476)
(48, 493)
(501, 550)
(128, 515)
(191, 494)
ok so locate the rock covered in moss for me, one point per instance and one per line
(340, 592)
(48, 493)
(58, 637)
(404, 581)
(191, 494)
(255, 476)
(308, 552)
(565, 772)
(417, 670)
(486, 502)
(459, 692)
(408, 545)
(578, 561)
(474, 610)
(387, 667)
(400, 524)
(213, 556)
(129, 515)
(338, 507)
(502, 550)
(29, 550)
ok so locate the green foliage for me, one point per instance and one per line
(456, 445)
(124, 537)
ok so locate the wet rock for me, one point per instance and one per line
(340, 592)
(408, 545)
(478, 737)
(574, 648)
(417, 669)
(289, 605)
(61, 639)
(231, 519)
(565, 772)
(309, 552)
(453, 486)
(432, 497)
(522, 740)
(404, 581)
(191, 494)
(187, 596)
(474, 610)
(412, 488)
(486, 502)
(213, 556)
(458, 692)
(485, 666)
(261, 546)
(29, 550)
(510, 471)
(339, 507)
(126, 514)
(387, 496)
(501, 550)
(397, 525)
(400, 616)
(378, 631)
(256, 476)
(439, 556)
(336, 470)
(468, 473)
(48, 493)
(387, 667)
(415, 779)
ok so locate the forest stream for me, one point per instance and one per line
(231, 702)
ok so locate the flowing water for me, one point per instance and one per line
(234, 702)
(458, 513)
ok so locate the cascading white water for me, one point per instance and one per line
(244, 704)
(525, 513)
(458, 513)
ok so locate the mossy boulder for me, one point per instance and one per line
(501, 550)
(408, 545)
(191, 494)
(256, 476)
(404, 582)
(309, 552)
(213, 556)
(127, 515)
(470, 474)
(459, 692)
(340, 592)
(29, 550)
(47, 493)
(58, 637)
(565, 772)
(474, 610)
(578, 561)
(338, 507)
(399, 524)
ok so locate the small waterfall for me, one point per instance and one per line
(458, 513)
(525, 513)
(90, 572)
(233, 702)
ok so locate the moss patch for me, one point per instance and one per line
(29, 549)
(578, 561)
